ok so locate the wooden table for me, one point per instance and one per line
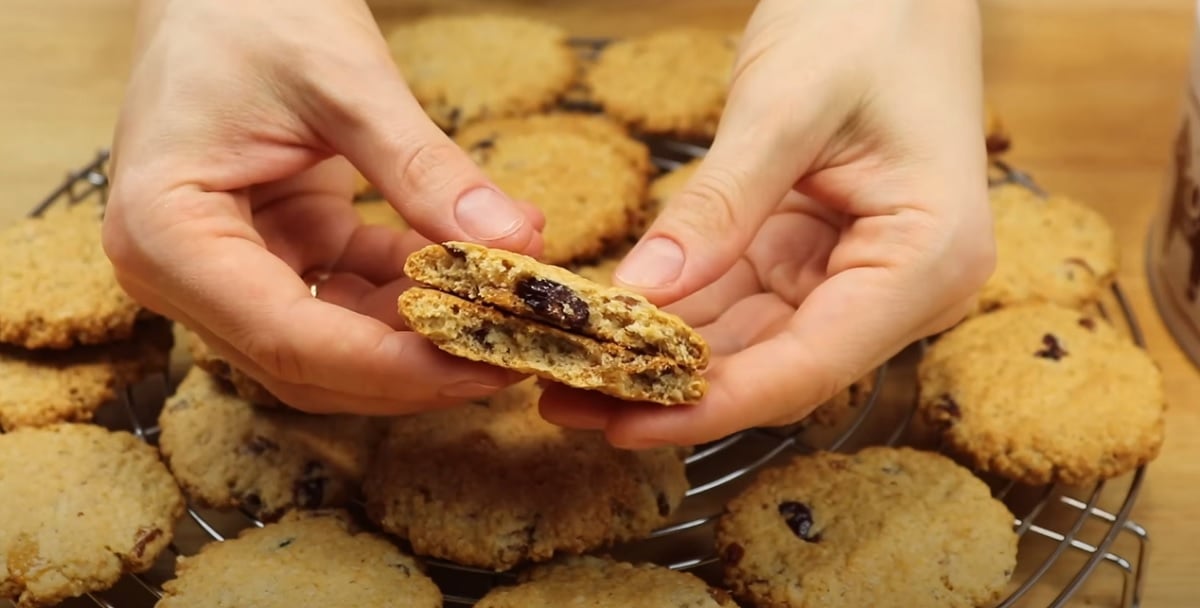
(1090, 88)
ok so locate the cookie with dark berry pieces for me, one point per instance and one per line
(492, 485)
(828, 530)
(306, 559)
(245, 386)
(590, 194)
(1041, 393)
(464, 68)
(1048, 249)
(82, 507)
(507, 309)
(667, 82)
(228, 453)
(57, 287)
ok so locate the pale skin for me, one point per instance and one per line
(840, 215)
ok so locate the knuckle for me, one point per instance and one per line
(276, 357)
(710, 204)
(429, 167)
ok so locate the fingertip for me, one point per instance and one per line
(653, 268)
(573, 409)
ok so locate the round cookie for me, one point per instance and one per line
(596, 127)
(491, 484)
(669, 82)
(830, 529)
(590, 194)
(57, 287)
(227, 453)
(305, 559)
(243, 385)
(82, 506)
(1041, 393)
(1050, 249)
(42, 387)
(463, 68)
(604, 583)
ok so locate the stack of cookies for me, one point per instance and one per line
(82, 505)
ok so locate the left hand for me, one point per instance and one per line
(840, 215)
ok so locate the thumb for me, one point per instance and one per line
(431, 182)
(706, 226)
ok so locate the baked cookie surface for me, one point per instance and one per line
(884, 527)
(668, 82)
(305, 559)
(600, 582)
(1051, 249)
(510, 310)
(42, 387)
(93, 505)
(491, 484)
(57, 287)
(601, 129)
(590, 194)
(227, 453)
(1041, 393)
(463, 68)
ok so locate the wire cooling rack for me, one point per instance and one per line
(1068, 535)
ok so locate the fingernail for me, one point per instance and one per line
(469, 390)
(654, 263)
(487, 215)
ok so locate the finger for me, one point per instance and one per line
(385, 133)
(378, 253)
(355, 293)
(825, 351)
(706, 305)
(306, 219)
(318, 400)
(745, 323)
(707, 226)
(574, 409)
(209, 263)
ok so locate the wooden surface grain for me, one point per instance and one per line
(1090, 89)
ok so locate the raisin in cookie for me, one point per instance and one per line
(42, 387)
(57, 288)
(491, 484)
(306, 559)
(463, 68)
(600, 129)
(1041, 393)
(669, 82)
(82, 506)
(600, 582)
(510, 310)
(227, 453)
(590, 195)
(246, 387)
(1050, 249)
(830, 530)
(995, 134)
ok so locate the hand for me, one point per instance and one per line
(840, 215)
(232, 192)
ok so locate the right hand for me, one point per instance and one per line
(231, 184)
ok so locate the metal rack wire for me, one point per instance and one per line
(1067, 533)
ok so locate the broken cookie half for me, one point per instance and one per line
(509, 310)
